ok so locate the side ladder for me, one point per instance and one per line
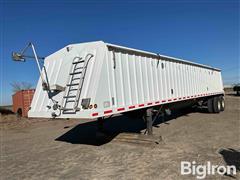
(74, 86)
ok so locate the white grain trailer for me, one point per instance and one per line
(97, 79)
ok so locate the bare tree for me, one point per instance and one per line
(18, 86)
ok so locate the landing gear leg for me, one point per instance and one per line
(149, 121)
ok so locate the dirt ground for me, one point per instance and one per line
(70, 149)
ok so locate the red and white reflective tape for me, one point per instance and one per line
(131, 107)
(157, 102)
(108, 111)
(121, 109)
(94, 114)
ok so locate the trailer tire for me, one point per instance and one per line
(216, 104)
(222, 102)
(210, 105)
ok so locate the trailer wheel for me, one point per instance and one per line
(216, 104)
(210, 105)
(222, 102)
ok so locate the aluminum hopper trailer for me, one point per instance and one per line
(98, 79)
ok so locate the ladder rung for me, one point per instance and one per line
(76, 79)
(69, 112)
(68, 109)
(69, 96)
(70, 101)
(74, 84)
(78, 68)
(73, 89)
(78, 62)
(75, 73)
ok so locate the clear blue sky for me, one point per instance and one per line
(206, 32)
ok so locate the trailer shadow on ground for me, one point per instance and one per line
(88, 133)
(231, 157)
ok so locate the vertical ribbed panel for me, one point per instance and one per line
(140, 79)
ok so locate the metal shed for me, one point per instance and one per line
(22, 101)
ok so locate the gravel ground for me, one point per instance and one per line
(70, 149)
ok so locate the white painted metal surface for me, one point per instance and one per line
(117, 79)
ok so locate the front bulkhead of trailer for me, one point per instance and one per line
(96, 79)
